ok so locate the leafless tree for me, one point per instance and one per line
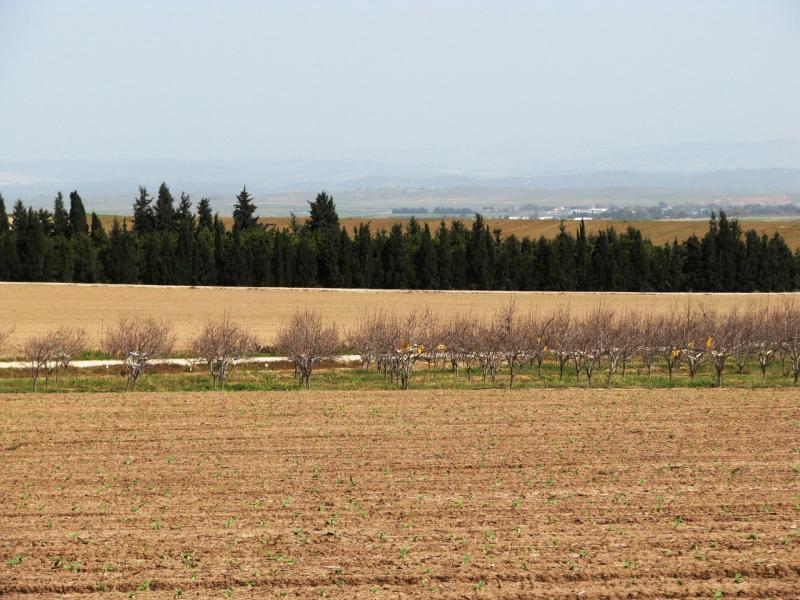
(789, 319)
(509, 330)
(488, 349)
(593, 341)
(138, 341)
(650, 333)
(221, 345)
(766, 337)
(695, 333)
(362, 339)
(561, 340)
(538, 330)
(723, 338)
(669, 340)
(307, 340)
(68, 343)
(458, 336)
(624, 339)
(38, 352)
(414, 334)
(744, 338)
(52, 352)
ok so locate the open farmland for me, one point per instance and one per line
(658, 493)
(34, 308)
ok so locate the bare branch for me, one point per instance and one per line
(138, 341)
(306, 340)
(221, 345)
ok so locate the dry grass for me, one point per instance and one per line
(34, 308)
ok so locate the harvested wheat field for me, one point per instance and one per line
(562, 494)
(34, 308)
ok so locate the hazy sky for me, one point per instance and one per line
(389, 80)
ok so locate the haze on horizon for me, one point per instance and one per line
(441, 85)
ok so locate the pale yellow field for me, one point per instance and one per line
(36, 307)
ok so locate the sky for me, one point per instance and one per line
(395, 81)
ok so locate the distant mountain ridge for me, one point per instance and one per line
(209, 177)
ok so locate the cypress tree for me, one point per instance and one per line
(205, 219)
(143, 217)
(444, 257)
(85, 263)
(364, 274)
(61, 224)
(120, 262)
(425, 262)
(31, 243)
(219, 248)
(347, 265)
(9, 257)
(480, 268)
(564, 254)
(164, 212)
(243, 211)
(3, 216)
(322, 213)
(582, 258)
(77, 215)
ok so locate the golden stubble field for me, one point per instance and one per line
(37, 307)
(552, 494)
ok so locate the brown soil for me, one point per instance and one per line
(571, 493)
(37, 307)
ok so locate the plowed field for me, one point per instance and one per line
(564, 494)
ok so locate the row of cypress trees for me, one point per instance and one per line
(169, 242)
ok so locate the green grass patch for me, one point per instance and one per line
(424, 377)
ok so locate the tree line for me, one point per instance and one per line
(602, 340)
(172, 242)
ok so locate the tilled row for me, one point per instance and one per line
(634, 494)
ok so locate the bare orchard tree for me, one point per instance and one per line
(624, 338)
(745, 347)
(593, 341)
(538, 330)
(38, 352)
(362, 339)
(221, 345)
(414, 334)
(695, 329)
(52, 352)
(488, 349)
(458, 336)
(766, 337)
(789, 320)
(68, 343)
(137, 341)
(306, 340)
(724, 338)
(511, 331)
(562, 338)
(649, 333)
(669, 340)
